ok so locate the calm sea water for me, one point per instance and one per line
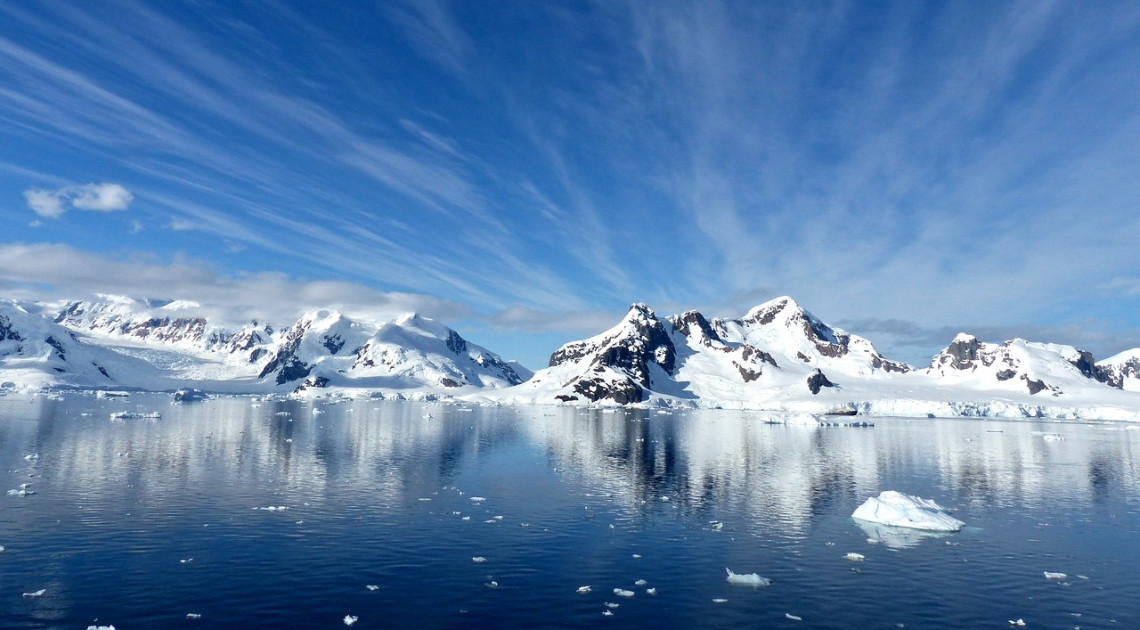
(138, 522)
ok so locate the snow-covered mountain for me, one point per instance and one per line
(777, 350)
(36, 352)
(780, 357)
(1122, 370)
(170, 345)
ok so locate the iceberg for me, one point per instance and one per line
(747, 579)
(896, 509)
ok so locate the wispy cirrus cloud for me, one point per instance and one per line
(104, 197)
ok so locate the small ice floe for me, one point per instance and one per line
(466, 518)
(39, 593)
(478, 559)
(193, 616)
(582, 590)
(636, 556)
(746, 579)
(186, 561)
(1, 547)
(372, 587)
(640, 583)
(651, 591)
(607, 613)
(612, 605)
(719, 600)
(855, 557)
(621, 592)
(1049, 575)
(896, 509)
(793, 617)
(21, 492)
(129, 415)
(317, 411)
(1017, 623)
(288, 440)
(477, 499)
(31, 458)
(425, 499)
(190, 395)
(101, 627)
(716, 525)
(350, 619)
(491, 584)
(273, 508)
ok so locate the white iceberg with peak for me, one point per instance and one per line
(896, 509)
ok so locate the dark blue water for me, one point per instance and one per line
(380, 494)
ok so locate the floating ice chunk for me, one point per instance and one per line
(746, 579)
(612, 605)
(350, 619)
(100, 627)
(372, 587)
(902, 510)
(1017, 623)
(32, 457)
(719, 600)
(125, 415)
(193, 616)
(607, 613)
(1055, 576)
(582, 590)
(273, 508)
(477, 499)
(21, 492)
(716, 525)
(478, 559)
(636, 556)
(425, 499)
(640, 583)
(492, 584)
(856, 557)
(621, 592)
(186, 560)
(793, 617)
(651, 591)
(1, 547)
(466, 518)
(39, 593)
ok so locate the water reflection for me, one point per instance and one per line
(782, 477)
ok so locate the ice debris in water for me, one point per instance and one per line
(857, 557)
(477, 499)
(793, 617)
(1055, 576)
(651, 591)
(582, 590)
(1017, 623)
(100, 627)
(39, 593)
(372, 587)
(32, 457)
(21, 492)
(478, 559)
(640, 583)
(273, 508)
(350, 619)
(746, 579)
(193, 616)
(719, 600)
(903, 510)
(607, 613)
(620, 592)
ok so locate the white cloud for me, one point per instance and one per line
(49, 271)
(102, 197)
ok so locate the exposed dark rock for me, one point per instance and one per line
(748, 353)
(314, 382)
(447, 382)
(59, 351)
(818, 381)
(748, 374)
(332, 343)
(691, 323)
(455, 343)
(1034, 386)
(566, 398)
(1005, 375)
(963, 352)
(8, 331)
(622, 392)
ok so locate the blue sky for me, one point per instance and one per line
(525, 170)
